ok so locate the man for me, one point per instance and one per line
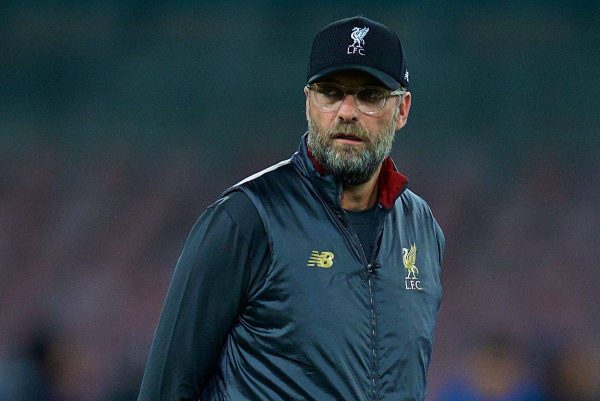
(318, 278)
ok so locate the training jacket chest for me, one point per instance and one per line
(324, 323)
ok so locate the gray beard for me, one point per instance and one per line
(350, 165)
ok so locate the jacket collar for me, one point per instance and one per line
(390, 183)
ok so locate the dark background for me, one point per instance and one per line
(121, 121)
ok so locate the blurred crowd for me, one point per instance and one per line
(88, 248)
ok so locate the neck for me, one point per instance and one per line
(360, 197)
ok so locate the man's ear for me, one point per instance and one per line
(307, 107)
(404, 106)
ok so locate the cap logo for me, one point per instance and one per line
(358, 36)
(406, 76)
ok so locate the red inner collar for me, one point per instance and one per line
(390, 183)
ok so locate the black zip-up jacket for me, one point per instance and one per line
(304, 316)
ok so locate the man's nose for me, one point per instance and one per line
(348, 109)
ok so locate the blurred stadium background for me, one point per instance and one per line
(121, 121)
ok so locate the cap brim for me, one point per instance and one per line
(381, 76)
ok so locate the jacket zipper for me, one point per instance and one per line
(373, 357)
(370, 269)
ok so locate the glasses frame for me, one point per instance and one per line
(354, 91)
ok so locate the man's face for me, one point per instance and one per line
(347, 142)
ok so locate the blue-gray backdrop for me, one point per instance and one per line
(121, 121)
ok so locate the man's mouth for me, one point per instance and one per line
(347, 138)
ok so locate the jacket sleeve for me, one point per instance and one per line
(207, 289)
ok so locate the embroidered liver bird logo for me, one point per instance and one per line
(409, 257)
(358, 35)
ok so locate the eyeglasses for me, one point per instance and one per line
(370, 99)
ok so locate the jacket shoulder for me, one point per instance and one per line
(266, 188)
(417, 208)
(269, 176)
(413, 202)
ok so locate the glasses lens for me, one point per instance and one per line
(371, 100)
(328, 96)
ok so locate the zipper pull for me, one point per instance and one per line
(373, 266)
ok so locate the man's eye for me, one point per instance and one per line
(371, 95)
(331, 92)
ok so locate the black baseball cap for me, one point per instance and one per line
(358, 43)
